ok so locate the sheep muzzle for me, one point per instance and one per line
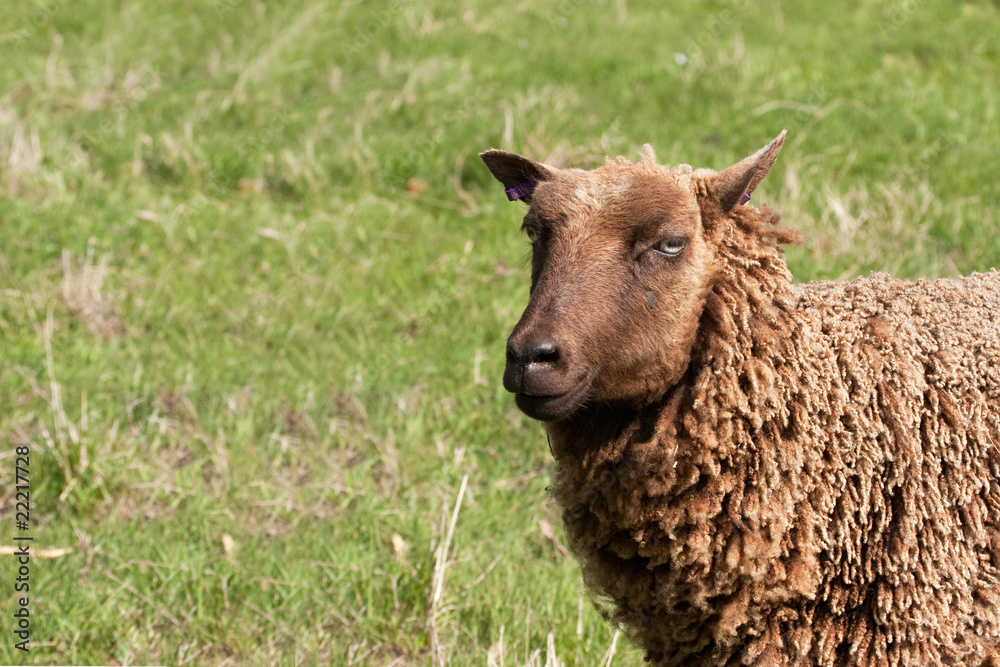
(546, 384)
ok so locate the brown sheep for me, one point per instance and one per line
(753, 472)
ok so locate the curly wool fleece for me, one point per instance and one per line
(822, 489)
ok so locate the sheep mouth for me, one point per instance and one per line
(555, 407)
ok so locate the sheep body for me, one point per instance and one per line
(840, 509)
(821, 483)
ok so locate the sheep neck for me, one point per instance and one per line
(654, 494)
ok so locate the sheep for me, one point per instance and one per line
(753, 472)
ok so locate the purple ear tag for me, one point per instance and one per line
(744, 198)
(520, 191)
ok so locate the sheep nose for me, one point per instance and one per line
(544, 351)
(533, 366)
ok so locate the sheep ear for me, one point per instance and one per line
(518, 174)
(732, 184)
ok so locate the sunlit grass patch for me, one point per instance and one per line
(255, 286)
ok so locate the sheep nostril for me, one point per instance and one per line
(545, 351)
(513, 356)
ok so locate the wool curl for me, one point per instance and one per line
(821, 488)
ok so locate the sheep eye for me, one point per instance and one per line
(671, 247)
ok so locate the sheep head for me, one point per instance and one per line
(622, 257)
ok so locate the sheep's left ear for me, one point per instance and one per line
(732, 184)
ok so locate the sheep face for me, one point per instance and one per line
(618, 267)
(621, 260)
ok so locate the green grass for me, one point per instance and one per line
(256, 285)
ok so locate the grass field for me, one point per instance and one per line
(255, 285)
